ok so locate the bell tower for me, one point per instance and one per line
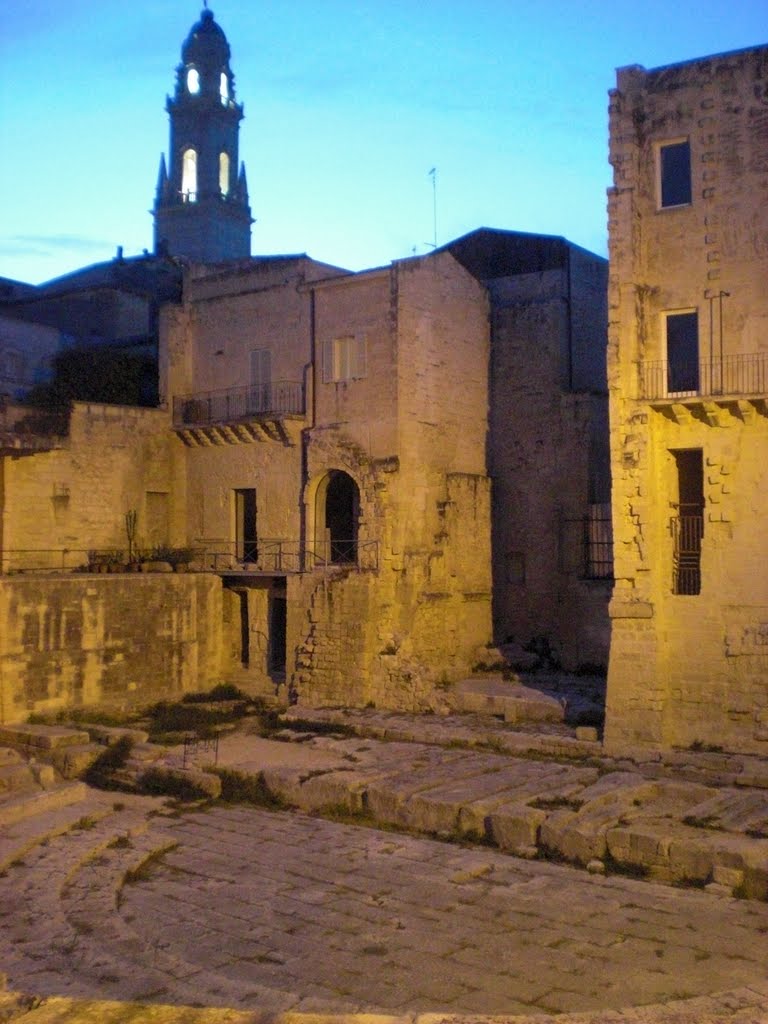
(201, 206)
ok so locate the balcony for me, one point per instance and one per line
(240, 415)
(730, 377)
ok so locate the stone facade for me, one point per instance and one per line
(116, 641)
(392, 595)
(688, 366)
(73, 495)
(547, 441)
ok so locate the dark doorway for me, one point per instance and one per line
(247, 549)
(342, 505)
(688, 528)
(245, 632)
(278, 621)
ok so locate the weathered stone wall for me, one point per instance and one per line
(690, 668)
(75, 497)
(120, 640)
(411, 434)
(543, 460)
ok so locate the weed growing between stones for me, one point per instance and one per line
(709, 821)
(143, 870)
(239, 788)
(120, 843)
(157, 782)
(620, 867)
(84, 823)
(553, 803)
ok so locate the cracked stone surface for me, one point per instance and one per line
(277, 912)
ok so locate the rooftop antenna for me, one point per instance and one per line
(433, 175)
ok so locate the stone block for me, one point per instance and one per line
(186, 782)
(72, 761)
(515, 826)
(43, 737)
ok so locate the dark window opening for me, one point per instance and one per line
(682, 352)
(245, 632)
(278, 621)
(342, 504)
(675, 174)
(688, 525)
(247, 549)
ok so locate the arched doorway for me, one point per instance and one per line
(337, 513)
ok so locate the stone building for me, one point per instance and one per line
(334, 430)
(688, 371)
(379, 472)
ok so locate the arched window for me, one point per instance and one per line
(224, 88)
(224, 173)
(337, 511)
(189, 176)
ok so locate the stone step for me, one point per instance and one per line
(40, 739)
(31, 819)
(493, 695)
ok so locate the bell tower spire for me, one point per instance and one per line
(201, 205)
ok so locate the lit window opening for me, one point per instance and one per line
(189, 176)
(224, 174)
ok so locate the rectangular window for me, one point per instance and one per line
(246, 544)
(675, 174)
(260, 391)
(345, 358)
(682, 340)
(688, 524)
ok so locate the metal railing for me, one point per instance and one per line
(278, 557)
(732, 375)
(268, 557)
(687, 532)
(586, 543)
(275, 400)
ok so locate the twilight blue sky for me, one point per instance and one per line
(348, 104)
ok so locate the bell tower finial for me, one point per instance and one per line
(201, 207)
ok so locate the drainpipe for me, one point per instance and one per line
(310, 375)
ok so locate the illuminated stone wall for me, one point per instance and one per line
(117, 641)
(408, 427)
(689, 668)
(75, 496)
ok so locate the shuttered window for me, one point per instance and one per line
(345, 358)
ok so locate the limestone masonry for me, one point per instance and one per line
(688, 367)
(380, 477)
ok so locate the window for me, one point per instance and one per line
(675, 174)
(224, 174)
(688, 524)
(193, 81)
(682, 339)
(345, 358)
(246, 543)
(189, 176)
(259, 397)
(224, 88)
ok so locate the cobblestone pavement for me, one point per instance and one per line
(252, 909)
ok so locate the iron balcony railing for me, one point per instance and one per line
(269, 401)
(731, 375)
(687, 533)
(276, 557)
(270, 557)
